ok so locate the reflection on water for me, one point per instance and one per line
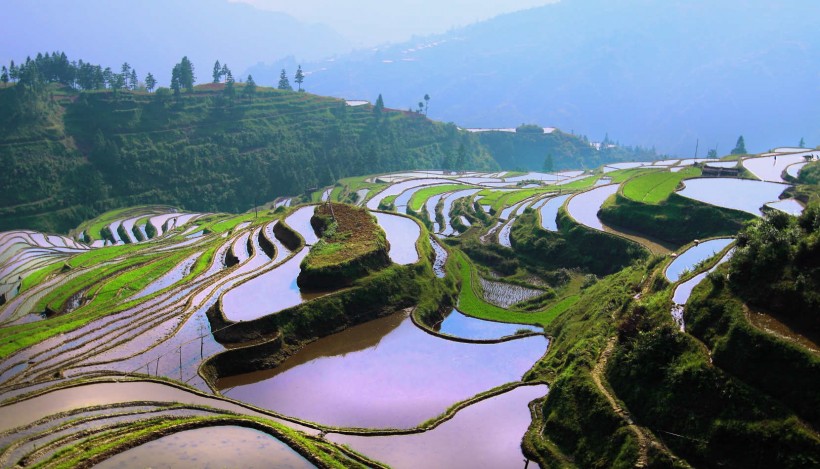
(300, 222)
(484, 435)
(769, 168)
(790, 206)
(584, 207)
(460, 325)
(402, 234)
(738, 194)
(549, 212)
(211, 447)
(386, 373)
(268, 293)
(694, 255)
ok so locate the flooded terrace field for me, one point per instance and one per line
(385, 373)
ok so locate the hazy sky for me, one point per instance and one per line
(372, 22)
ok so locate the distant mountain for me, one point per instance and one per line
(661, 73)
(153, 35)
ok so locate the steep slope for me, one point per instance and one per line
(648, 72)
(79, 155)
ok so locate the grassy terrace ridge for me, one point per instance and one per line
(351, 245)
(421, 196)
(93, 227)
(348, 233)
(655, 187)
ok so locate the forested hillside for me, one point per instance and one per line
(67, 156)
(530, 148)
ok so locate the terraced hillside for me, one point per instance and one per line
(78, 155)
(504, 318)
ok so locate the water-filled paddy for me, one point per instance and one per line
(770, 168)
(794, 170)
(267, 293)
(210, 447)
(584, 207)
(174, 275)
(384, 373)
(300, 222)
(684, 290)
(486, 434)
(790, 206)
(549, 212)
(692, 256)
(447, 206)
(397, 189)
(441, 258)
(458, 324)
(739, 194)
(402, 234)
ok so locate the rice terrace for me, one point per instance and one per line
(297, 318)
(485, 236)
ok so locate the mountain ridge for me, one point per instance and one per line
(710, 73)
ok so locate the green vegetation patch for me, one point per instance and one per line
(622, 175)
(36, 277)
(677, 220)
(655, 187)
(470, 303)
(420, 197)
(584, 183)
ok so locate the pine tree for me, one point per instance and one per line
(176, 83)
(14, 72)
(108, 76)
(229, 89)
(4, 75)
(284, 83)
(150, 82)
(186, 74)
(802, 143)
(225, 71)
(134, 81)
(549, 164)
(740, 147)
(379, 105)
(250, 88)
(125, 71)
(300, 77)
(217, 74)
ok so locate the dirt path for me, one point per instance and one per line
(597, 377)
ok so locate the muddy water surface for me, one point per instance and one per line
(484, 435)
(385, 373)
(211, 447)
